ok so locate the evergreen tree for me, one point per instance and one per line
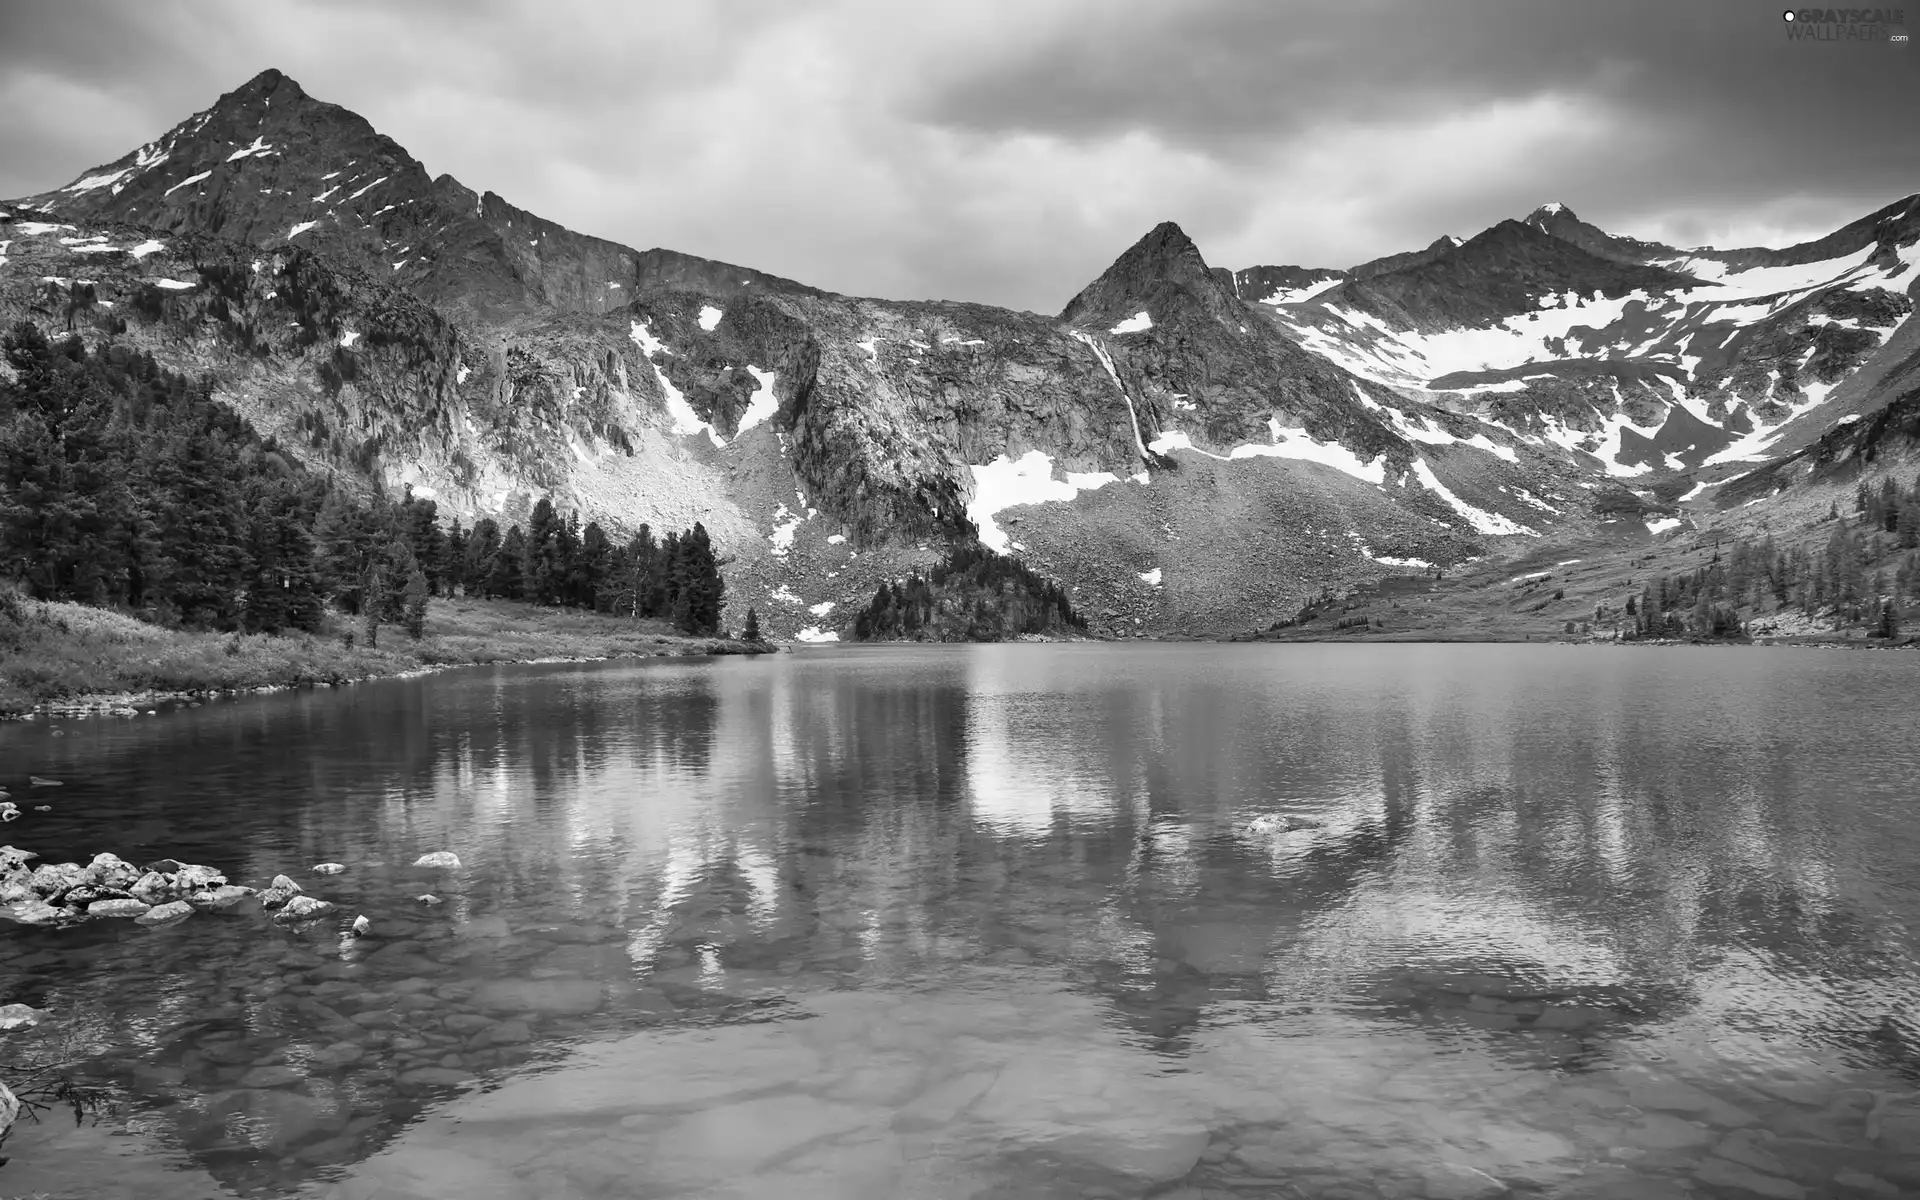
(509, 566)
(751, 632)
(414, 614)
(591, 567)
(480, 558)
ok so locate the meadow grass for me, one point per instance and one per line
(57, 651)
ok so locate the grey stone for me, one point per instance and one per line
(118, 908)
(165, 914)
(302, 908)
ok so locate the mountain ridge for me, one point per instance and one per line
(1184, 447)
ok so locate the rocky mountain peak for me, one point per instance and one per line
(1553, 211)
(1160, 274)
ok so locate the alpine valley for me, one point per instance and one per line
(1185, 449)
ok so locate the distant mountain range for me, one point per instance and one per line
(1184, 448)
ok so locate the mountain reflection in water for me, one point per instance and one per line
(985, 921)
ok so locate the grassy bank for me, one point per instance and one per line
(54, 653)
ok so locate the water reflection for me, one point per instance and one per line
(1559, 862)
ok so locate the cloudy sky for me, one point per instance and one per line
(1006, 150)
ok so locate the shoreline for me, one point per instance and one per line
(73, 661)
(145, 702)
(86, 705)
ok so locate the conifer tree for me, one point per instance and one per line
(751, 632)
(414, 614)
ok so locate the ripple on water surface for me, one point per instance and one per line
(989, 922)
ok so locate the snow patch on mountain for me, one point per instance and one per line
(91, 182)
(1008, 482)
(259, 146)
(813, 633)
(1753, 446)
(1151, 578)
(762, 404)
(1491, 523)
(299, 229)
(710, 317)
(184, 182)
(786, 524)
(147, 247)
(1139, 322)
(1301, 295)
(685, 420)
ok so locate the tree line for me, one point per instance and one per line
(124, 484)
(973, 595)
(556, 561)
(1847, 578)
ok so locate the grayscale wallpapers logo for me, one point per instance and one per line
(1846, 25)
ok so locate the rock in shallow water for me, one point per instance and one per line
(272, 1077)
(128, 907)
(220, 899)
(329, 868)
(302, 908)
(165, 914)
(553, 997)
(18, 1016)
(439, 858)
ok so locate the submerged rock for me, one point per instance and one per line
(430, 900)
(328, 868)
(439, 858)
(165, 914)
(38, 781)
(551, 997)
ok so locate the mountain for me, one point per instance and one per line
(1656, 360)
(1183, 448)
(271, 167)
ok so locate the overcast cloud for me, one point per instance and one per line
(1005, 151)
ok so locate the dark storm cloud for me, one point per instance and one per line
(1006, 150)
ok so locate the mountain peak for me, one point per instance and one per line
(1161, 267)
(1552, 209)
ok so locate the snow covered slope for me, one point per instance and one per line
(1659, 359)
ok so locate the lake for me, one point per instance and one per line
(987, 921)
